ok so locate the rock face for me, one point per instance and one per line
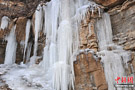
(18, 8)
(20, 28)
(109, 3)
(89, 73)
(123, 18)
(2, 51)
(126, 39)
(87, 34)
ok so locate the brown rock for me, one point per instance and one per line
(109, 3)
(88, 73)
(20, 28)
(18, 8)
(131, 34)
(19, 54)
(130, 46)
(87, 34)
(2, 51)
(100, 80)
(123, 21)
(2, 34)
(33, 24)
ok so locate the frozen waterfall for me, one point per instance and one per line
(38, 26)
(62, 20)
(113, 60)
(10, 55)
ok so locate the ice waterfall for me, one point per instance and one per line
(114, 59)
(59, 40)
(38, 26)
(62, 19)
(10, 55)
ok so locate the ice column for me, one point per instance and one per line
(28, 26)
(10, 55)
(38, 26)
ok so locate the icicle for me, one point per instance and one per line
(38, 26)
(82, 10)
(10, 55)
(28, 26)
(4, 22)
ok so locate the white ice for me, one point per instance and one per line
(10, 55)
(61, 28)
(4, 22)
(27, 31)
(114, 61)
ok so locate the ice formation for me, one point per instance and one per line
(10, 55)
(115, 60)
(58, 50)
(4, 22)
(38, 26)
(29, 47)
(62, 39)
(62, 19)
(28, 26)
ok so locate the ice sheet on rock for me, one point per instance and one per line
(4, 22)
(104, 32)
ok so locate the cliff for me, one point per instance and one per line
(90, 73)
